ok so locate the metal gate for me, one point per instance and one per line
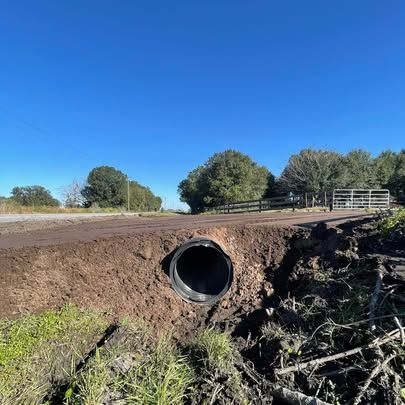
(360, 198)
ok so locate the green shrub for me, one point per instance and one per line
(389, 224)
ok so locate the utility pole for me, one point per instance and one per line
(128, 191)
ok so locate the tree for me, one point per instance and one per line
(384, 167)
(396, 183)
(313, 170)
(360, 170)
(229, 176)
(193, 189)
(105, 187)
(272, 187)
(72, 196)
(108, 187)
(33, 196)
(141, 198)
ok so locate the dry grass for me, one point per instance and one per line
(10, 207)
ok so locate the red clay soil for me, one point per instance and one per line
(121, 266)
(126, 274)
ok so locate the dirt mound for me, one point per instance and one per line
(128, 275)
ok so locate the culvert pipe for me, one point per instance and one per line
(200, 271)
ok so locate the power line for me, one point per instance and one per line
(45, 133)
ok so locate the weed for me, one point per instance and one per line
(272, 331)
(389, 224)
(290, 344)
(352, 307)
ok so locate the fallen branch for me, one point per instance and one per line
(294, 397)
(373, 374)
(400, 329)
(374, 297)
(301, 366)
(398, 298)
(348, 325)
(287, 395)
(339, 371)
(398, 323)
(217, 390)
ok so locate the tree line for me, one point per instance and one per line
(105, 187)
(232, 176)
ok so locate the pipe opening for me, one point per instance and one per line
(201, 272)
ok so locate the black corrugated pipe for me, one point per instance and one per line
(200, 271)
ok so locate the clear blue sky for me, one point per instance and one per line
(155, 87)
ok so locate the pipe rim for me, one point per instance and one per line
(183, 290)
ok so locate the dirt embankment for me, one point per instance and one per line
(128, 275)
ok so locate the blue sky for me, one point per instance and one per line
(156, 87)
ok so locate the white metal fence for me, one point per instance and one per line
(360, 198)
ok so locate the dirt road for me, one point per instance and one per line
(94, 230)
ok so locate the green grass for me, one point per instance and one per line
(89, 387)
(212, 348)
(35, 349)
(39, 355)
(159, 374)
(164, 377)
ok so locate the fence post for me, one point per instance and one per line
(260, 206)
(306, 200)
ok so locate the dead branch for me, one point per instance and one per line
(401, 330)
(287, 395)
(400, 327)
(374, 297)
(373, 374)
(398, 298)
(217, 390)
(339, 371)
(348, 325)
(313, 363)
(295, 397)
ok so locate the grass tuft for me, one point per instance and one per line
(212, 348)
(89, 387)
(162, 378)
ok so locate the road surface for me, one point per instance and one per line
(93, 230)
(5, 218)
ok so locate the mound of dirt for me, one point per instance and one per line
(128, 275)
